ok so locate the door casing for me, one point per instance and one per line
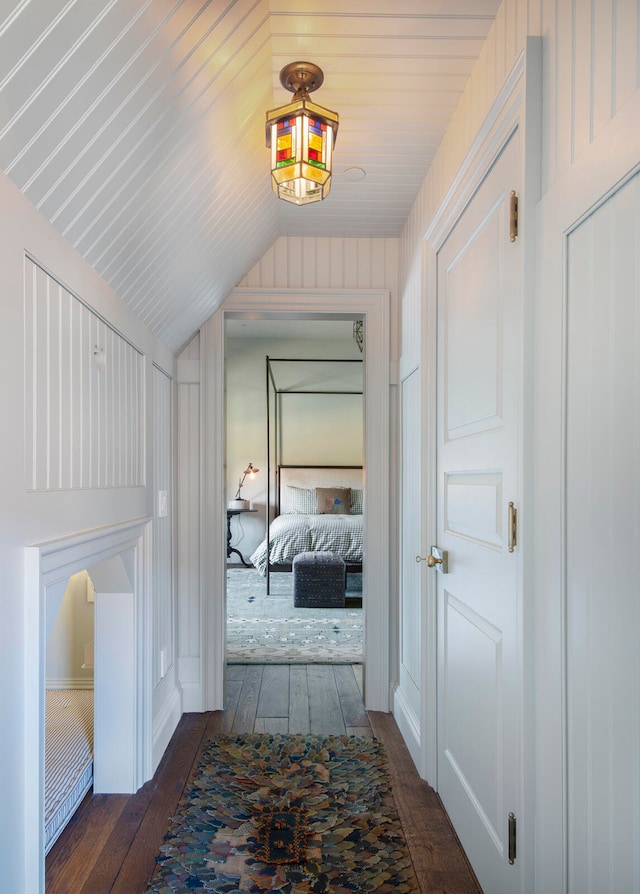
(373, 306)
(518, 105)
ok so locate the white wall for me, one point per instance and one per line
(590, 70)
(72, 630)
(36, 511)
(316, 429)
(305, 262)
(590, 52)
(591, 75)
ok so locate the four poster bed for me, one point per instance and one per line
(299, 527)
(315, 508)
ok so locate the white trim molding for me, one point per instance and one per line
(373, 306)
(516, 107)
(48, 567)
(165, 722)
(408, 724)
(69, 683)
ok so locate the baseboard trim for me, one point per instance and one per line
(164, 725)
(69, 683)
(409, 726)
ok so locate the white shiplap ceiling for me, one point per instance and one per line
(137, 127)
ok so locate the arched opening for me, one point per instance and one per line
(114, 560)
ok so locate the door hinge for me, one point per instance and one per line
(512, 838)
(513, 216)
(512, 525)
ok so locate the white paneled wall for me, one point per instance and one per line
(296, 262)
(84, 393)
(591, 80)
(162, 525)
(603, 532)
(591, 68)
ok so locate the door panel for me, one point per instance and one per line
(479, 412)
(473, 506)
(473, 344)
(472, 695)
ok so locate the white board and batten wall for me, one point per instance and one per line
(81, 451)
(579, 668)
(586, 548)
(602, 531)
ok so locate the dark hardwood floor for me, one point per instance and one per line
(111, 843)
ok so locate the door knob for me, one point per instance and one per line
(439, 559)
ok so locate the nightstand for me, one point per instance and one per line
(232, 549)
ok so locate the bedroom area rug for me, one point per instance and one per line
(286, 813)
(263, 629)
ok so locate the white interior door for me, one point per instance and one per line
(479, 420)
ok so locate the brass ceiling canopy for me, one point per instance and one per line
(301, 76)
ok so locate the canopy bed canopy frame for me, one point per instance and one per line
(275, 391)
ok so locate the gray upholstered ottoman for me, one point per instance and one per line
(318, 580)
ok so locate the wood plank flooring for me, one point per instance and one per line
(109, 847)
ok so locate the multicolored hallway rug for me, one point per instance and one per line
(263, 628)
(290, 814)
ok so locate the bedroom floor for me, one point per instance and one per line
(111, 843)
(265, 628)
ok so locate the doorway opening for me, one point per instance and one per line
(294, 431)
(113, 558)
(372, 306)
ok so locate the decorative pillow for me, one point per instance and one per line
(334, 500)
(357, 501)
(300, 500)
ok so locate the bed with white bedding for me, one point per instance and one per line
(68, 756)
(299, 526)
(291, 534)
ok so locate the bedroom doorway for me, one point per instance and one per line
(205, 673)
(294, 421)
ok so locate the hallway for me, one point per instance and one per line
(111, 843)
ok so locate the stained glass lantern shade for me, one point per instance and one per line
(301, 137)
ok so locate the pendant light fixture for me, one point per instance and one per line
(301, 136)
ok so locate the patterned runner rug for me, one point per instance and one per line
(284, 813)
(263, 628)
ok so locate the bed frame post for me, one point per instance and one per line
(268, 506)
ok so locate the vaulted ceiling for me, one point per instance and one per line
(137, 127)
